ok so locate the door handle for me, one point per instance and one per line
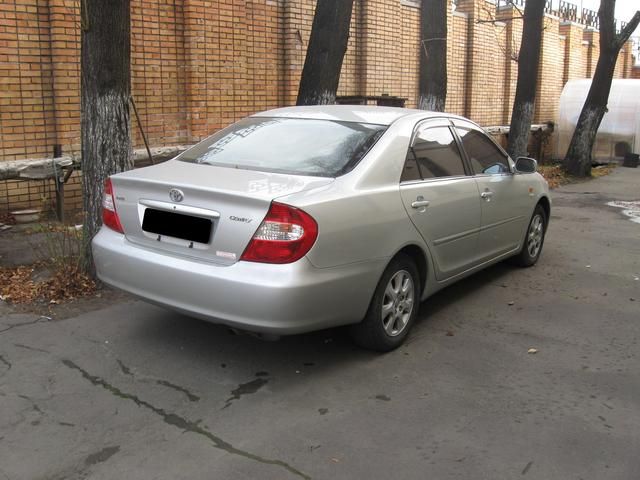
(487, 194)
(420, 204)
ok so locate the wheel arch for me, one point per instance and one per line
(546, 206)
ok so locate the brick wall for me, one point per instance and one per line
(198, 65)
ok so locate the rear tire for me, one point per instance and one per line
(393, 308)
(533, 240)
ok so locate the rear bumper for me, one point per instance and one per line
(274, 299)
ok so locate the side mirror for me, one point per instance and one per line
(526, 165)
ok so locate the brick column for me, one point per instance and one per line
(513, 41)
(550, 72)
(298, 16)
(486, 63)
(195, 68)
(574, 62)
(64, 19)
(591, 40)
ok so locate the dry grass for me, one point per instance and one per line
(602, 170)
(556, 175)
(18, 285)
(57, 275)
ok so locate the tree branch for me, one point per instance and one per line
(629, 28)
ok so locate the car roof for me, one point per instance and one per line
(350, 113)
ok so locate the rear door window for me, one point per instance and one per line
(433, 153)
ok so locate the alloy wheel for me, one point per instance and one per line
(397, 303)
(535, 235)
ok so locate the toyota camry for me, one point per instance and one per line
(305, 218)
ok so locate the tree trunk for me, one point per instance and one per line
(578, 159)
(106, 143)
(327, 46)
(433, 55)
(528, 64)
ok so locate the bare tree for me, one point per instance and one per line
(433, 55)
(578, 159)
(105, 73)
(528, 62)
(325, 53)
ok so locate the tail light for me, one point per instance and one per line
(109, 215)
(285, 235)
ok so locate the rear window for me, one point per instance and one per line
(288, 145)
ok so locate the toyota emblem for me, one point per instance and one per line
(176, 195)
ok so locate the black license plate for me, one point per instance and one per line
(186, 227)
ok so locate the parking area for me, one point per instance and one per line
(135, 391)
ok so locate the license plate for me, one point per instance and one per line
(177, 225)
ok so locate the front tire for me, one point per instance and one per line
(534, 239)
(393, 308)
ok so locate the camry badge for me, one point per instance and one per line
(176, 195)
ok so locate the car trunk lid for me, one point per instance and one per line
(200, 211)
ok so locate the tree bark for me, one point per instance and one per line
(105, 73)
(433, 55)
(578, 158)
(528, 65)
(327, 46)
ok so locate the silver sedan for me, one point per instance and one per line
(304, 218)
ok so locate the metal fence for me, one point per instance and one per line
(565, 10)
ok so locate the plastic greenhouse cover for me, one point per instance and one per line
(619, 131)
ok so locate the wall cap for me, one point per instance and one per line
(410, 3)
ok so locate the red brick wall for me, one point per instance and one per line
(198, 65)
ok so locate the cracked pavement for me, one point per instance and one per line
(135, 391)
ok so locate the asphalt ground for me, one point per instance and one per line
(133, 391)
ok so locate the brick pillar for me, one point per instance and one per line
(195, 68)
(574, 63)
(550, 72)
(382, 54)
(298, 17)
(351, 78)
(592, 39)
(513, 42)
(625, 60)
(458, 62)
(486, 63)
(630, 59)
(468, 7)
(64, 20)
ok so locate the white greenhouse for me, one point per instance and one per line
(619, 131)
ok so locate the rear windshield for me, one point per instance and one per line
(287, 145)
